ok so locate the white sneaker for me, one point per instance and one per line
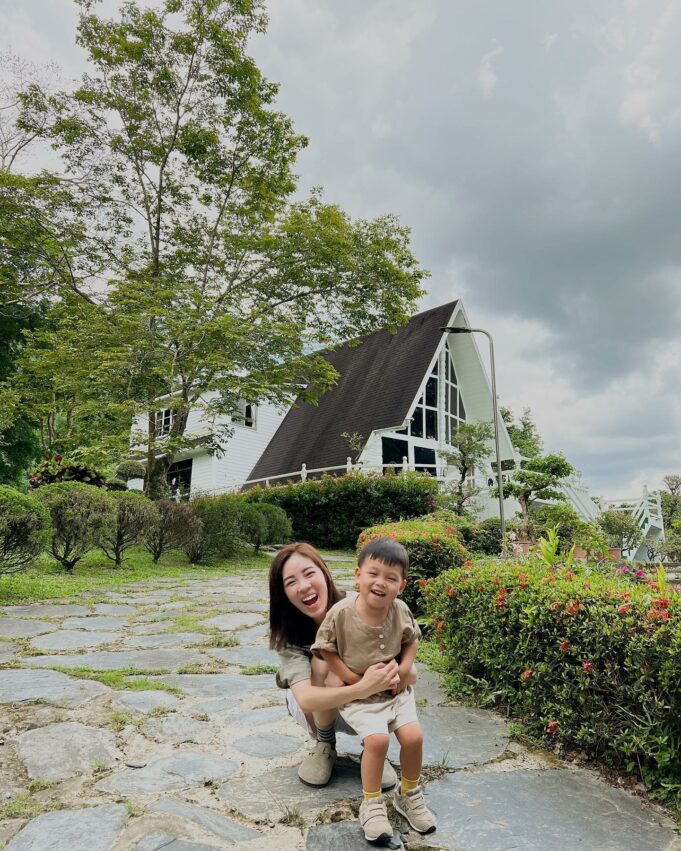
(413, 807)
(374, 820)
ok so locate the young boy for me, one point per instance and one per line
(356, 633)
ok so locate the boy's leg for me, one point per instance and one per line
(409, 800)
(372, 812)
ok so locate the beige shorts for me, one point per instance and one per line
(369, 717)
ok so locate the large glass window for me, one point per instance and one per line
(179, 478)
(424, 419)
(424, 460)
(455, 412)
(394, 450)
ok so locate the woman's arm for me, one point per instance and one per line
(379, 677)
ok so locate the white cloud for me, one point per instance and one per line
(487, 74)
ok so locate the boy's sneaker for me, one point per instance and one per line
(316, 769)
(413, 807)
(374, 820)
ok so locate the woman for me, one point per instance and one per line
(302, 590)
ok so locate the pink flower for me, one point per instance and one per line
(552, 727)
(586, 667)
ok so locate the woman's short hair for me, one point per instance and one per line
(288, 625)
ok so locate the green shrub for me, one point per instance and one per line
(252, 524)
(279, 530)
(127, 470)
(332, 511)
(175, 527)
(486, 537)
(116, 485)
(620, 529)
(81, 516)
(564, 519)
(589, 660)
(221, 531)
(433, 546)
(60, 469)
(135, 516)
(24, 524)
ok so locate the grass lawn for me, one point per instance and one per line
(46, 580)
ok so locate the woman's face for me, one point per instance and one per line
(305, 586)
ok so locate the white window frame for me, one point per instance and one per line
(240, 414)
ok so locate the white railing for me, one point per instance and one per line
(647, 511)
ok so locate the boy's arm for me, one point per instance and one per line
(339, 668)
(406, 666)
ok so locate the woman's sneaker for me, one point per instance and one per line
(316, 769)
(374, 820)
(413, 807)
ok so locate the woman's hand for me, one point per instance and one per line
(383, 676)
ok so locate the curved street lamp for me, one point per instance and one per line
(450, 329)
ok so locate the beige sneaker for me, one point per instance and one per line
(316, 769)
(413, 807)
(374, 820)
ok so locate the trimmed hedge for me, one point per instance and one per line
(432, 545)
(332, 511)
(592, 661)
(24, 524)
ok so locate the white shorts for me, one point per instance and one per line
(307, 722)
(371, 717)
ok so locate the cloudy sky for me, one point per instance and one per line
(534, 148)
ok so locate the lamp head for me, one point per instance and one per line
(451, 329)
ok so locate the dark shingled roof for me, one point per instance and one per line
(378, 381)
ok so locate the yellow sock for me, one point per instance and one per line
(408, 785)
(369, 795)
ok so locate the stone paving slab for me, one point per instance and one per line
(253, 634)
(95, 622)
(46, 610)
(218, 685)
(265, 715)
(116, 610)
(249, 654)
(77, 745)
(227, 829)
(555, 810)
(7, 651)
(346, 836)
(233, 621)
(165, 639)
(73, 639)
(18, 685)
(268, 746)
(92, 829)
(179, 771)
(146, 701)
(166, 842)
(270, 794)
(177, 729)
(110, 660)
(22, 628)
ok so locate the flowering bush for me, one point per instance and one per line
(589, 660)
(432, 545)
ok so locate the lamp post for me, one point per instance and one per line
(454, 330)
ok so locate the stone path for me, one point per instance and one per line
(185, 744)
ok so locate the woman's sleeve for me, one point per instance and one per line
(326, 635)
(295, 667)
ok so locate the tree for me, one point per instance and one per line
(176, 527)
(24, 525)
(523, 433)
(471, 446)
(135, 516)
(220, 287)
(537, 478)
(670, 501)
(621, 529)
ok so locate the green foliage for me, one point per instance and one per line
(332, 511)
(433, 546)
(59, 469)
(24, 525)
(279, 529)
(589, 660)
(175, 527)
(127, 470)
(620, 529)
(136, 515)
(471, 446)
(221, 532)
(81, 517)
(671, 547)
(564, 519)
(486, 537)
(523, 433)
(262, 523)
(538, 478)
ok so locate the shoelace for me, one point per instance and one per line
(417, 803)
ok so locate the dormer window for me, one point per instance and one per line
(244, 414)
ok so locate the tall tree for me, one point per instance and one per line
(537, 479)
(471, 446)
(221, 287)
(523, 432)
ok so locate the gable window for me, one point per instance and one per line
(244, 415)
(424, 419)
(163, 422)
(394, 450)
(455, 412)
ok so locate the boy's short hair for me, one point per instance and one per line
(387, 550)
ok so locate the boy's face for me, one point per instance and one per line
(379, 583)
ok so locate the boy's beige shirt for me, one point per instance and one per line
(360, 645)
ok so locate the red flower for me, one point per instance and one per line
(527, 674)
(662, 603)
(468, 564)
(573, 608)
(451, 592)
(564, 646)
(625, 595)
(440, 625)
(623, 610)
(586, 667)
(422, 583)
(555, 605)
(657, 615)
(569, 575)
(552, 727)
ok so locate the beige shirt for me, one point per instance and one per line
(295, 666)
(360, 645)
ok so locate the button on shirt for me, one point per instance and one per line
(360, 645)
